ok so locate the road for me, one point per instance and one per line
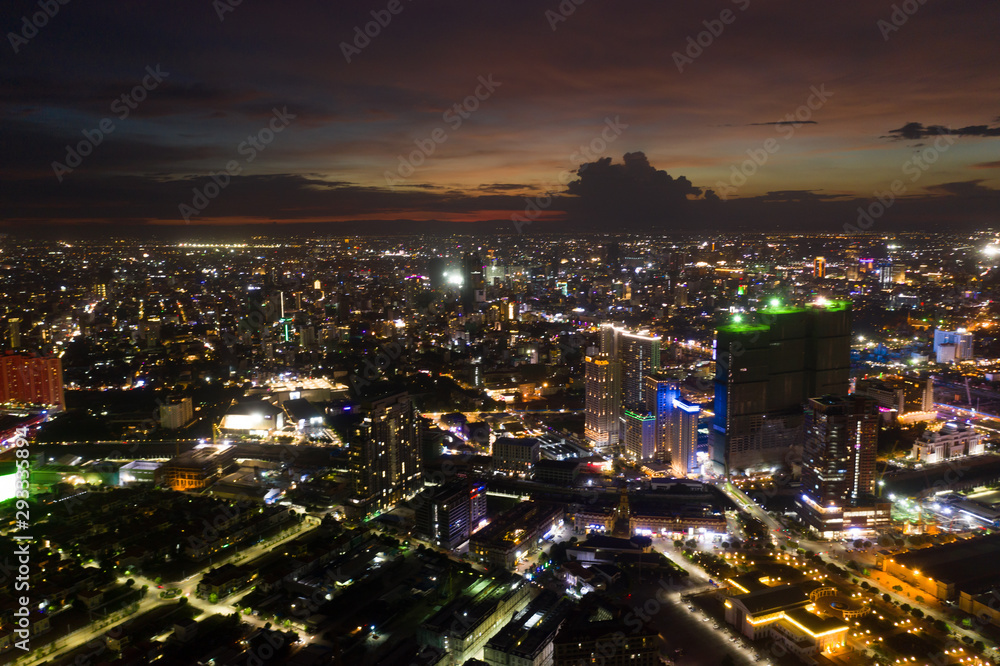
(188, 587)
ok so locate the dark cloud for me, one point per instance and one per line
(965, 189)
(503, 187)
(355, 119)
(915, 131)
(799, 195)
(987, 165)
(786, 122)
(634, 190)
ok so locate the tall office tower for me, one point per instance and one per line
(684, 437)
(384, 453)
(636, 356)
(838, 467)
(32, 380)
(660, 395)
(613, 257)
(819, 267)
(14, 330)
(448, 514)
(676, 428)
(767, 370)
(640, 434)
(473, 279)
(885, 273)
(639, 356)
(437, 270)
(852, 269)
(838, 461)
(603, 400)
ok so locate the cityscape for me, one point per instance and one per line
(556, 333)
(755, 448)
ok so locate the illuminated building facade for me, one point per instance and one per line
(785, 614)
(198, 468)
(640, 435)
(384, 454)
(766, 370)
(448, 514)
(32, 380)
(953, 440)
(838, 467)
(841, 436)
(602, 402)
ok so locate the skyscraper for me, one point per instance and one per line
(33, 380)
(384, 453)
(838, 458)
(676, 427)
(838, 466)
(684, 437)
(660, 394)
(819, 267)
(640, 434)
(951, 346)
(602, 401)
(767, 370)
(639, 356)
(615, 380)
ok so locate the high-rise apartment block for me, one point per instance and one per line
(384, 454)
(766, 371)
(602, 402)
(838, 466)
(32, 380)
(615, 381)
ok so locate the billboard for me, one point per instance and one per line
(8, 486)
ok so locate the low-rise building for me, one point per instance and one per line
(515, 455)
(946, 571)
(527, 639)
(463, 626)
(515, 534)
(953, 440)
(198, 468)
(784, 613)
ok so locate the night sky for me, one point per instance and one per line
(883, 97)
